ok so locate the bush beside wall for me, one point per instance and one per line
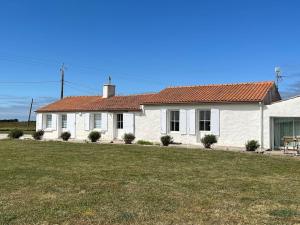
(94, 136)
(128, 138)
(38, 135)
(208, 140)
(65, 136)
(252, 145)
(15, 133)
(166, 140)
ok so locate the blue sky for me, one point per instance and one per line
(144, 45)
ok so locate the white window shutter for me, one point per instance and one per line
(215, 121)
(182, 121)
(163, 121)
(87, 121)
(128, 121)
(54, 121)
(92, 126)
(104, 121)
(39, 121)
(71, 123)
(44, 121)
(192, 121)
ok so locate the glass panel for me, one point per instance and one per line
(97, 121)
(284, 129)
(207, 125)
(207, 115)
(176, 126)
(49, 121)
(202, 115)
(201, 125)
(176, 115)
(174, 120)
(297, 128)
(172, 126)
(64, 121)
(172, 116)
(277, 137)
(119, 121)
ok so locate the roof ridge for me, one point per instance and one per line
(151, 93)
(214, 85)
(82, 96)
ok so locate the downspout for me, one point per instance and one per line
(261, 105)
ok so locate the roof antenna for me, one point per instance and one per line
(279, 77)
(109, 79)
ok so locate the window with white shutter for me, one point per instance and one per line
(48, 121)
(174, 120)
(97, 121)
(204, 120)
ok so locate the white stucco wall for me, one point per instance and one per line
(82, 134)
(238, 123)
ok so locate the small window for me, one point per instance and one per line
(48, 121)
(204, 120)
(97, 121)
(119, 121)
(64, 121)
(174, 120)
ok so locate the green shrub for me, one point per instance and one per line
(252, 145)
(208, 140)
(65, 136)
(128, 138)
(143, 142)
(15, 133)
(166, 140)
(38, 135)
(94, 136)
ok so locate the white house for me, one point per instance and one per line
(234, 112)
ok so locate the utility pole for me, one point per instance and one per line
(29, 112)
(62, 70)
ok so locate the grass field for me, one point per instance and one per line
(5, 127)
(69, 183)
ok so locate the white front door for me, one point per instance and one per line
(119, 126)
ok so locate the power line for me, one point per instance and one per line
(27, 82)
(79, 89)
(82, 85)
(35, 61)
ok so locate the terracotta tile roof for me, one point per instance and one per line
(223, 93)
(97, 103)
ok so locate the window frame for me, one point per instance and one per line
(174, 121)
(64, 122)
(205, 120)
(120, 121)
(48, 125)
(95, 124)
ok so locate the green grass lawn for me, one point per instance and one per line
(69, 183)
(5, 127)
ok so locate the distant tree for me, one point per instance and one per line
(9, 120)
